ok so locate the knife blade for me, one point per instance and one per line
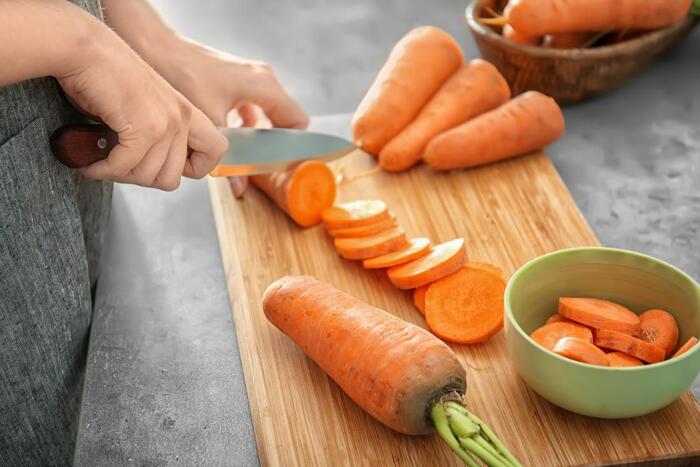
(251, 150)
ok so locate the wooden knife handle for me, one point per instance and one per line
(80, 145)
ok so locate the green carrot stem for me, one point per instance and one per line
(497, 443)
(489, 447)
(443, 429)
(460, 424)
(484, 454)
(695, 8)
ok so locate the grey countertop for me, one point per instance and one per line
(164, 384)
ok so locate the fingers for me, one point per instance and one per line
(207, 143)
(121, 160)
(280, 108)
(248, 115)
(168, 179)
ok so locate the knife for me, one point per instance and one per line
(251, 150)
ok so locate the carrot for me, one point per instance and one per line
(369, 247)
(540, 17)
(558, 319)
(443, 260)
(465, 307)
(659, 327)
(239, 185)
(599, 314)
(518, 38)
(419, 298)
(417, 66)
(549, 334)
(622, 359)
(685, 347)
(615, 340)
(397, 372)
(526, 123)
(354, 214)
(303, 191)
(486, 267)
(475, 88)
(366, 230)
(580, 350)
(416, 248)
(567, 40)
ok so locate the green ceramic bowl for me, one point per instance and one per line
(637, 281)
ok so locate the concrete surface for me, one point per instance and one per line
(164, 384)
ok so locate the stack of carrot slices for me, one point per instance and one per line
(462, 301)
(601, 332)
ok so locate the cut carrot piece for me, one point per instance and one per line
(354, 214)
(486, 267)
(659, 327)
(685, 347)
(599, 314)
(365, 230)
(416, 248)
(621, 342)
(419, 298)
(369, 247)
(443, 260)
(569, 40)
(581, 351)
(518, 38)
(559, 319)
(622, 359)
(549, 334)
(303, 191)
(465, 307)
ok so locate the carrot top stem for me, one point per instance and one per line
(695, 8)
(442, 426)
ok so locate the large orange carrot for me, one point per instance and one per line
(525, 124)
(549, 334)
(442, 261)
(354, 214)
(540, 17)
(659, 327)
(303, 191)
(365, 230)
(622, 359)
(417, 66)
(580, 350)
(599, 314)
(568, 40)
(614, 340)
(519, 38)
(415, 248)
(382, 243)
(685, 347)
(475, 88)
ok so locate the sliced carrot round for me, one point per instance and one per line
(685, 347)
(368, 247)
(549, 334)
(621, 342)
(599, 314)
(465, 307)
(443, 260)
(659, 327)
(622, 359)
(354, 214)
(559, 319)
(416, 248)
(419, 298)
(365, 230)
(311, 190)
(486, 267)
(580, 350)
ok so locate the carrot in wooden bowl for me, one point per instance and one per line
(419, 298)
(659, 327)
(475, 88)
(580, 350)
(382, 243)
(365, 230)
(621, 359)
(685, 347)
(443, 260)
(599, 314)
(549, 334)
(354, 214)
(303, 191)
(615, 340)
(520, 126)
(519, 38)
(400, 374)
(568, 40)
(417, 66)
(415, 248)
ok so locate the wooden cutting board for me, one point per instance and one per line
(508, 213)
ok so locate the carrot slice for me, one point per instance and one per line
(365, 230)
(486, 267)
(354, 214)
(659, 327)
(549, 334)
(419, 298)
(559, 319)
(599, 314)
(622, 359)
(685, 347)
(581, 351)
(416, 248)
(368, 247)
(442, 261)
(621, 342)
(465, 307)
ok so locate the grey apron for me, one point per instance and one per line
(51, 224)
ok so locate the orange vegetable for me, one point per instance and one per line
(303, 191)
(354, 214)
(419, 298)
(599, 314)
(415, 248)
(416, 68)
(622, 359)
(518, 38)
(540, 17)
(615, 340)
(580, 350)
(549, 334)
(368, 247)
(465, 307)
(475, 88)
(520, 126)
(443, 260)
(486, 267)
(659, 327)
(567, 40)
(685, 347)
(559, 319)
(366, 230)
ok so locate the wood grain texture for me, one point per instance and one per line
(508, 213)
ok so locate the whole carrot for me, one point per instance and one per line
(519, 38)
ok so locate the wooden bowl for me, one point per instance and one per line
(570, 75)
